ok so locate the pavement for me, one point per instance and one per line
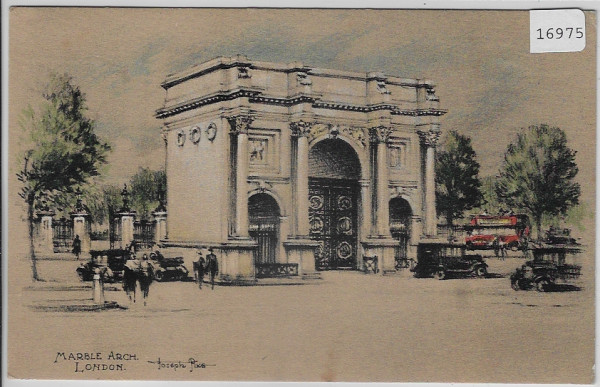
(347, 327)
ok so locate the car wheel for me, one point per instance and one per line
(80, 274)
(440, 274)
(159, 276)
(542, 285)
(480, 271)
(515, 285)
(514, 247)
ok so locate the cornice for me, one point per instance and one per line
(202, 101)
(255, 96)
(222, 62)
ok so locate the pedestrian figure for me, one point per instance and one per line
(77, 246)
(145, 277)
(496, 246)
(199, 269)
(130, 276)
(212, 267)
(131, 248)
(502, 250)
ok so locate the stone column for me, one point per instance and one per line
(284, 231)
(160, 230)
(126, 218)
(429, 140)
(81, 227)
(299, 247)
(300, 130)
(239, 128)
(98, 288)
(165, 137)
(365, 199)
(45, 232)
(381, 244)
(380, 136)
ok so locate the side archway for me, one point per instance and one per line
(400, 227)
(264, 214)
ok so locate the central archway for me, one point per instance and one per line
(334, 172)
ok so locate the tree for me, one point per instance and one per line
(490, 203)
(456, 177)
(103, 203)
(147, 188)
(63, 152)
(538, 174)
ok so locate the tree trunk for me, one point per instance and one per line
(538, 226)
(31, 239)
(450, 225)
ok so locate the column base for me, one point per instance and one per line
(385, 251)
(302, 252)
(236, 261)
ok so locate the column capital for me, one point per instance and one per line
(240, 124)
(429, 137)
(300, 128)
(380, 134)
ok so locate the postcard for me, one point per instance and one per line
(307, 195)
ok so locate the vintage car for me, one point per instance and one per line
(110, 263)
(559, 236)
(166, 269)
(442, 260)
(547, 269)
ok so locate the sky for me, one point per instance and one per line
(486, 78)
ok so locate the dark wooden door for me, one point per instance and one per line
(333, 222)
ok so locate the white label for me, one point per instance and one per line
(558, 30)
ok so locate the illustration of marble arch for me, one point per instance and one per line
(307, 137)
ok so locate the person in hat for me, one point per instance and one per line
(199, 267)
(77, 246)
(212, 267)
(146, 275)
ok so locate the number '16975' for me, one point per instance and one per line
(560, 33)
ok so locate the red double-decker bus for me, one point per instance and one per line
(488, 231)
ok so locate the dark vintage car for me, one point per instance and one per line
(442, 260)
(110, 262)
(166, 269)
(547, 269)
(559, 236)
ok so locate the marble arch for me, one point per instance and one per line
(257, 123)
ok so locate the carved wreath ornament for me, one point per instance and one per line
(195, 134)
(211, 132)
(180, 138)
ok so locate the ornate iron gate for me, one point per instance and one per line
(333, 222)
(264, 232)
(62, 235)
(143, 233)
(400, 218)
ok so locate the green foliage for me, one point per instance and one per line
(147, 188)
(456, 177)
(62, 154)
(490, 202)
(538, 174)
(64, 151)
(103, 203)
